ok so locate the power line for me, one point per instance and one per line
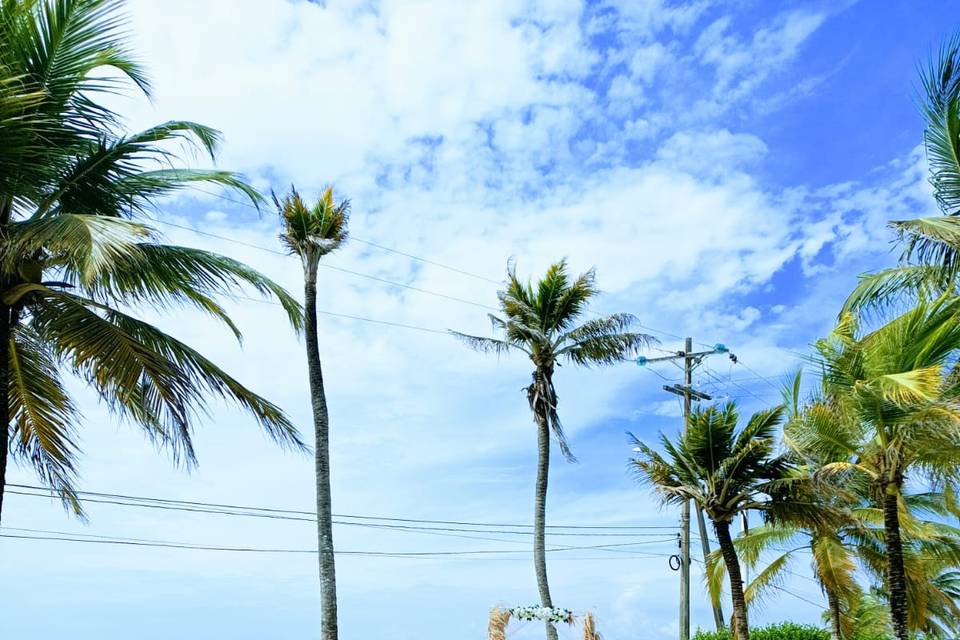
(759, 377)
(797, 595)
(293, 514)
(348, 316)
(370, 243)
(138, 542)
(716, 377)
(331, 267)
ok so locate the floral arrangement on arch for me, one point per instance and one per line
(547, 614)
(500, 618)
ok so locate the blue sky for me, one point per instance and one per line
(727, 167)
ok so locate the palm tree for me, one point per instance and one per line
(312, 232)
(930, 263)
(77, 255)
(724, 472)
(931, 553)
(895, 385)
(542, 322)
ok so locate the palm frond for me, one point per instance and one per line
(941, 82)
(86, 245)
(933, 241)
(107, 177)
(43, 416)
(142, 372)
(886, 289)
(163, 275)
(482, 344)
(312, 231)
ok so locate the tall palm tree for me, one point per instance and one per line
(725, 472)
(312, 232)
(931, 553)
(77, 255)
(896, 385)
(542, 322)
(930, 263)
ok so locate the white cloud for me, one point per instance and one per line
(467, 134)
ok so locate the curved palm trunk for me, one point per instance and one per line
(538, 404)
(836, 630)
(739, 630)
(321, 424)
(897, 584)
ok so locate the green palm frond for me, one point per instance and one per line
(725, 472)
(108, 177)
(768, 580)
(62, 45)
(941, 83)
(887, 289)
(43, 416)
(835, 565)
(483, 344)
(931, 241)
(141, 372)
(542, 321)
(70, 179)
(164, 275)
(86, 245)
(606, 350)
(312, 232)
(714, 575)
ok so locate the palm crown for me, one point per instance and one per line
(77, 252)
(896, 387)
(541, 321)
(722, 471)
(313, 232)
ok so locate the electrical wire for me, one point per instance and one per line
(137, 542)
(331, 267)
(17, 489)
(354, 238)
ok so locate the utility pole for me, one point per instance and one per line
(691, 360)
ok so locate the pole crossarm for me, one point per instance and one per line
(683, 390)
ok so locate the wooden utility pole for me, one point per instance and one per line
(690, 360)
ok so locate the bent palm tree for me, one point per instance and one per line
(541, 322)
(724, 472)
(896, 386)
(75, 251)
(930, 264)
(311, 233)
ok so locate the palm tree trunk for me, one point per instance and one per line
(321, 424)
(896, 579)
(5, 330)
(836, 630)
(739, 630)
(540, 506)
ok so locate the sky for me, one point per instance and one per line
(727, 167)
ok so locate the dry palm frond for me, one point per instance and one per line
(497, 629)
(589, 627)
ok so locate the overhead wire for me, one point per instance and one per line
(17, 489)
(139, 542)
(371, 243)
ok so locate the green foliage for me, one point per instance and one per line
(780, 631)
(722, 470)
(541, 321)
(78, 257)
(312, 232)
(930, 263)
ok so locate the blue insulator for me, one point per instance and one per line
(641, 361)
(720, 348)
